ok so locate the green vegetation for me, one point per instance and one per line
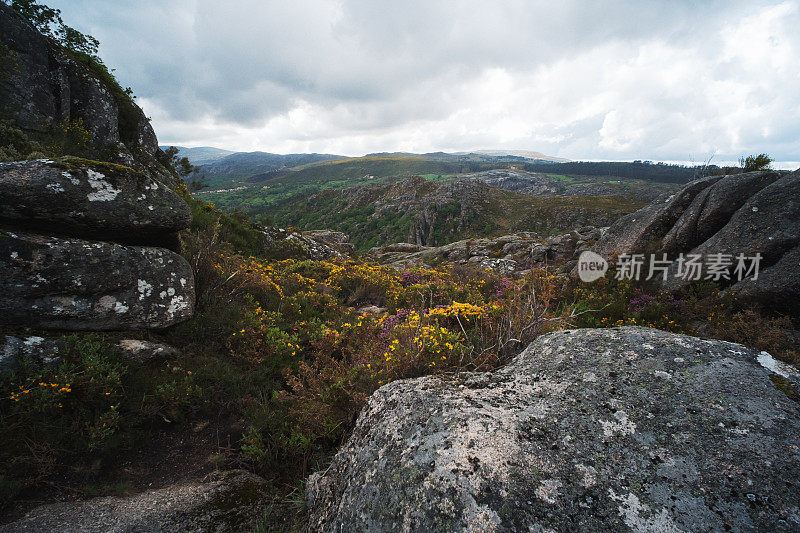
(755, 162)
(562, 177)
(278, 360)
(15, 145)
(455, 217)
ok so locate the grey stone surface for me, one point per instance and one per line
(767, 223)
(627, 429)
(638, 231)
(14, 350)
(713, 207)
(750, 213)
(80, 197)
(145, 351)
(75, 284)
(224, 502)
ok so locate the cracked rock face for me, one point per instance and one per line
(76, 284)
(80, 199)
(627, 429)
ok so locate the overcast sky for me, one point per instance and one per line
(662, 80)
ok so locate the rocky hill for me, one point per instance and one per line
(549, 184)
(429, 213)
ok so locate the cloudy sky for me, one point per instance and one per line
(671, 80)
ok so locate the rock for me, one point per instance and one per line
(713, 207)
(750, 213)
(86, 198)
(280, 243)
(503, 266)
(14, 350)
(508, 253)
(223, 502)
(628, 429)
(74, 284)
(334, 239)
(328, 236)
(43, 90)
(371, 310)
(637, 231)
(146, 351)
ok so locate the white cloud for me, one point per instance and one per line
(580, 79)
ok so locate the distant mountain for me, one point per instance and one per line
(201, 154)
(235, 168)
(527, 154)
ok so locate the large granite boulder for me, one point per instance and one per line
(713, 208)
(75, 284)
(223, 502)
(30, 349)
(88, 198)
(628, 429)
(749, 213)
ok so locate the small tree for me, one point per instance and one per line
(755, 162)
(185, 168)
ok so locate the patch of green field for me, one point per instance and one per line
(562, 177)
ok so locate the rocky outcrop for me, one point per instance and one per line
(83, 243)
(515, 253)
(280, 243)
(86, 198)
(334, 239)
(627, 429)
(44, 89)
(750, 213)
(56, 283)
(542, 184)
(224, 502)
(638, 231)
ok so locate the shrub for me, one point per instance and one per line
(755, 162)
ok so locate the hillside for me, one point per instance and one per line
(258, 193)
(201, 155)
(425, 212)
(237, 167)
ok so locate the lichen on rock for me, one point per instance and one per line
(537, 447)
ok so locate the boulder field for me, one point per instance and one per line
(628, 429)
